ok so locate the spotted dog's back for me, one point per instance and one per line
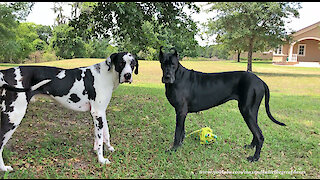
(73, 88)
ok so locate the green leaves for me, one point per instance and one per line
(251, 26)
(128, 24)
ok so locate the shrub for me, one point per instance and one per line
(49, 56)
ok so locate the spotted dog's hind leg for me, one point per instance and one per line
(14, 107)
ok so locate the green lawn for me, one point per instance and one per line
(54, 142)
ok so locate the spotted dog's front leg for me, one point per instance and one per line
(99, 124)
(106, 137)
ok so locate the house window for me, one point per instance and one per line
(301, 49)
(278, 50)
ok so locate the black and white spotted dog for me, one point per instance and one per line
(81, 89)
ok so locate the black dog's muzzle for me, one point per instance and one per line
(167, 79)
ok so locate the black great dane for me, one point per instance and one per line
(190, 91)
(80, 89)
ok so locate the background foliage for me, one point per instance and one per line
(97, 29)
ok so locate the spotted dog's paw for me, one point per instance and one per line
(110, 148)
(104, 161)
(6, 168)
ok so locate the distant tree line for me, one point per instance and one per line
(97, 29)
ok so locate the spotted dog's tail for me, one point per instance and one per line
(5, 85)
(41, 83)
(267, 97)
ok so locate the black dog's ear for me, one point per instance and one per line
(111, 60)
(161, 54)
(175, 51)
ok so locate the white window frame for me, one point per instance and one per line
(276, 52)
(304, 49)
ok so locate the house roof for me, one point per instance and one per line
(308, 28)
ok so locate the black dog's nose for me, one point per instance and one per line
(127, 76)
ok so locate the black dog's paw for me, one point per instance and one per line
(250, 146)
(252, 158)
(172, 149)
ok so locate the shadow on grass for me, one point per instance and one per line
(253, 62)
(286, 75)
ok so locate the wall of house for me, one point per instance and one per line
(283, 56)
(279, 58)
(255, 55)
(285, 49)
(312, 33)
(312, 51)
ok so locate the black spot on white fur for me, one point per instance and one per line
(74, 98)
(100, 123)
(88, 85)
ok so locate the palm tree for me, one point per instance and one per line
(58, 8)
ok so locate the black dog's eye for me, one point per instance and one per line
(167, 63)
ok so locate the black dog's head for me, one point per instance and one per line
(169, 65)
(124, 64)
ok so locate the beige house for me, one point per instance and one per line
(305, 47)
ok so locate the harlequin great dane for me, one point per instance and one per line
(81, 89)
(191, 91)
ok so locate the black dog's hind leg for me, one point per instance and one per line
(257, 141)
(249, 110)
(179, 135)
(253, 143)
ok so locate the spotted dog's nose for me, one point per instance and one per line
(127, 76)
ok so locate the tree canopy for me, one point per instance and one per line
(126, 23)
(252, 26)
(97, 29)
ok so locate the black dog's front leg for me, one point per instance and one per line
(180, 131)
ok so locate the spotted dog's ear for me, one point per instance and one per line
(108, 62)
(111, 60)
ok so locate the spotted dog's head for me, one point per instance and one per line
(169, 65)
(124, 63)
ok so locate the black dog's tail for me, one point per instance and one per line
(267, 97)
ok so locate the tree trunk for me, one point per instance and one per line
(249, 67)
(238, 58)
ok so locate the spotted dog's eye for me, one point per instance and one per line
(122, 63)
